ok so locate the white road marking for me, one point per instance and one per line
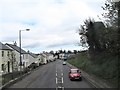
(60, 87)
(56, 80)
(59, 79)
(62, 79)
(62, 74)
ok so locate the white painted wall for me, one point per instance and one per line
(4, 60)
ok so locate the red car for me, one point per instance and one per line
(75, 74)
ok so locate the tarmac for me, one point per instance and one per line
(97, 83)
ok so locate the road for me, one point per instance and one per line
(51, 75)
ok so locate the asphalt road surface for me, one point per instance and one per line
(51, 75)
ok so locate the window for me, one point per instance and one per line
(75, 71)
(23, 56)
(23, 63)
(8, 54)
(3, 67)
(26, 56)
(2, 53)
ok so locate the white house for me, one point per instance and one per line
(50, 57)
(39, 59)
(6, 59)
(26, 57)
(61, 56)
(44, 58)
(32, 58)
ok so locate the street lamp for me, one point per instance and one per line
(20, 45)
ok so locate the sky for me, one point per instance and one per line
(53, 24)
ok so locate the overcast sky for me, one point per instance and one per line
(53, 24)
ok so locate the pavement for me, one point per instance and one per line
(13, 81)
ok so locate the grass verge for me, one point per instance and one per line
(103, 66)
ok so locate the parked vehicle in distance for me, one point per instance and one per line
(75, 74)
(64, 63)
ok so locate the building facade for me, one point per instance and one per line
(7, 58)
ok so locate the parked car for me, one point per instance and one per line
(75, 74)
(64, 63)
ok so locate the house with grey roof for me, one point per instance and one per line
(6, 59)
(33, 58)
(39, 59)
(50, 57)
(43, 57)
(26, 57)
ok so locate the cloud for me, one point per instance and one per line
(60, 44)
(32, 45)
(52, 23)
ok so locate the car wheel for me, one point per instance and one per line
(70, 79)
(80, 79)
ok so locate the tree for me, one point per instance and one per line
(64, 51)
(75, 51)
(110, 13)
(98, 37)
(93, 32)
(110, 16)
(51, 52)
(60, 51)
(69, 52)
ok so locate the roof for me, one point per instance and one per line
(43, 55)
(33, 55)
(15, 47)
(3, 47)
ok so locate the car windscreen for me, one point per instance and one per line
(74, 71)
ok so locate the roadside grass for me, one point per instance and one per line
(104, 66)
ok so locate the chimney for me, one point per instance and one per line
(28, 51)
(15, 43)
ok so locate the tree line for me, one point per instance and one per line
(102, 36)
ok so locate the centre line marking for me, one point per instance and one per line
(62, 79)
(56, 80)
(62, 74)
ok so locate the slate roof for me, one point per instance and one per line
(33, 55)
(17, 48)
(3, 47)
